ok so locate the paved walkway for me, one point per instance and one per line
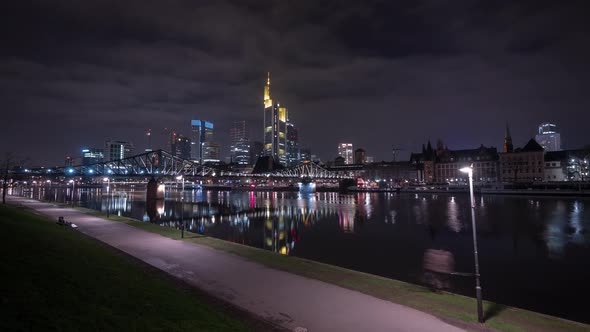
(290, 300)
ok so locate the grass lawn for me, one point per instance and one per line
(53, 278)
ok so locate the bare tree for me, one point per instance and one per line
(8, 159)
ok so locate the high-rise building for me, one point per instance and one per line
(241, 152)
(345, 151)
(92, 156)
(548, 137)
(117, 150)
(237, 131)
(240, 146)
(180, 146)
(69, 161)
(292, 145)
(360, 156)
(256, 151)
(202, 132)
(211, 151)
(304, 155)
(275, 127)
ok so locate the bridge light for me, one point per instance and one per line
(70, 171)
(91, 171)
(110, 171)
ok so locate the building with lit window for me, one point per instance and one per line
(180, 146)
(117, 150)
(523, 165)
(360, 156)
(211, 152)
(92, 156)
(240, 145)
(548, 137)
(275, 127)
(345, 151)
(256, 151)
(304, 155)
(240, 153)
(69, 161)
(201, 133)
(292, 145)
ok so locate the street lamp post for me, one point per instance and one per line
(107, 180)
(180, 177)
(73, 182)
(469, 171)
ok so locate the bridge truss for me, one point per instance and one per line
(309, 170)
(160, 163)
(153, 163)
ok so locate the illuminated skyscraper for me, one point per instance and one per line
(116, 150)
(548, 137)
(240, 145)
(180, 146)
(275, 128)
(292, 145)
(211, 151)
(92, 156)
(202, 132)
(345, 151)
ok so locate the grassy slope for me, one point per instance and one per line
(54, 279)
(442, 304)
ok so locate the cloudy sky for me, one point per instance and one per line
(378, 74)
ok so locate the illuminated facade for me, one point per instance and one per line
(92, 156)
(345, 151)
(292, 145)
(240, 145)
(211, 151)
(240, 152)
(275, 128)
(202, 132)
(117, 150)
(548, 137)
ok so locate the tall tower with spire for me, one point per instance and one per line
(267, 100)
(275, 127)
(508, 147)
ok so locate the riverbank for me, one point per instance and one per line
(285, 299)
(55, 278)
(445, 305)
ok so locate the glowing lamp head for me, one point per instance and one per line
(467, 170)
(105, 179)
(179, 177)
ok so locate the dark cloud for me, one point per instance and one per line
(379, 74)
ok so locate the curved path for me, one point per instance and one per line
(293, 302)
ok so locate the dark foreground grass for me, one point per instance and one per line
(442, 304)
(53, 278)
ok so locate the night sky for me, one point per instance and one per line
(380, 74)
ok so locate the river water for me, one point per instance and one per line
(534, 251)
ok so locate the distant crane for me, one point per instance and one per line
(148, 133)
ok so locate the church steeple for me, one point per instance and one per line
(267, 100)
(508, 147)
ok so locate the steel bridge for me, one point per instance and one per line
(160, 163)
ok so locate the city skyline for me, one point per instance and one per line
(77, 74)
